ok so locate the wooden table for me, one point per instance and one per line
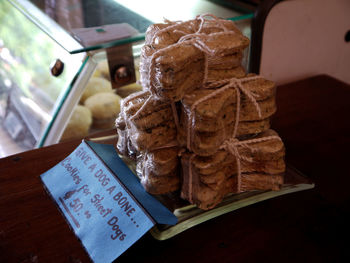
(310, 226)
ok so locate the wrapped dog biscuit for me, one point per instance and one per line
(253, 164)
(179, 57)
(233, 107)
(149, 121)
(159, 170)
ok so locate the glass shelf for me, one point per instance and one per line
(30, 96)
(61, 20)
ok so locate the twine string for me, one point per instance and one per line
(190, 179)
(138, 112)
(171, 144)
(238, 108)
(232, 145)
(194, 39)
(175, 116)
(200, 18)
(237, 84)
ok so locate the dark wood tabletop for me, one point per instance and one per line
(309, 226)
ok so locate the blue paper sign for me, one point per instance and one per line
(102, 211)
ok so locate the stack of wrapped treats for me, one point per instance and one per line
(201, 124)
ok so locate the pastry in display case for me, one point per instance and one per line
(95, 85)
(79, 123)
(105, 107)
(102, 101)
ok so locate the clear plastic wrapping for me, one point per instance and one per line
(179, 57)
(208, 116)
(147, 133)
(149, 121)
(159, 170)
(208, 179)
(172, 71)
(199, 104)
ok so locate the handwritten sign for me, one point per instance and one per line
(101, 210)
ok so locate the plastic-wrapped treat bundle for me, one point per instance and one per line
(253, 164)
(223, 125)
(173, 71)
(222, 49)
(149, 121)
(208, 116)
(159, 170)
(179, 57)
(147, 133)
(219, 74)
(222, 39)
(124, 145)
(163, 35)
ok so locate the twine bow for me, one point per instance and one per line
(237, 84)
(193, 39)
(232, 145)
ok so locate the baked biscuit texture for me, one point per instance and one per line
(201, 123)
(224, 73)
(206, 143)
(149, 121)
(173, 71)
(179, 57)
(158, 170)
(162, 35)
(147, 133)
(208, 116)
(207, 180)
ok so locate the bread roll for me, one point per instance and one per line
(96, 85)
(105, 107)
(102, 70)
(79, 123)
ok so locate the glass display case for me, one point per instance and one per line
(51, 50)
